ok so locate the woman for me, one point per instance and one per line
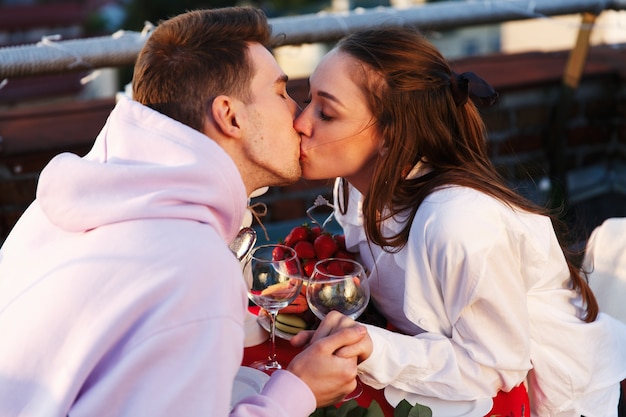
(469, 272)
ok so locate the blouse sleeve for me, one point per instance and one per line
(464, 286)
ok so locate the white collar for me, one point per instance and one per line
(420, 169)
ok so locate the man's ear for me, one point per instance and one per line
(224, 111)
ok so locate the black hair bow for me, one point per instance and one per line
(469, 85)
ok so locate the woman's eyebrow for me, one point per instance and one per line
(330, 97)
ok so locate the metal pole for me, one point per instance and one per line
(121, 49)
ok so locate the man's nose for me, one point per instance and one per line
(299, 123)
(296, 110)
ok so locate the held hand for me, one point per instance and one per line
(302, 338)
(331, 376)
(332, 323)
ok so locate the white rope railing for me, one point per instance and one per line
(54, 56)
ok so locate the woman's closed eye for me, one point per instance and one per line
(320, 113)
(323, 116)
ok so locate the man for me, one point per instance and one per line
(118, 293)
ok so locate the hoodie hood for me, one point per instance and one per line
(144, 165)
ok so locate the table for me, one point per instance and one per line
(510, 404)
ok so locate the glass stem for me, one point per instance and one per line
(272, 354)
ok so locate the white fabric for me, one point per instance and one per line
(118, 293)
(605, 258)
(483, 290)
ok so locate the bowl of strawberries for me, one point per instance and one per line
(312, 242)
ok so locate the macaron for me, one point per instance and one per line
(290, 323)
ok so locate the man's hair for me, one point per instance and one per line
(194, 57)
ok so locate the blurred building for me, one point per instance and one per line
(543, 34)
(560, 32)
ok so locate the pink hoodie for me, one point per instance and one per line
(118, 293)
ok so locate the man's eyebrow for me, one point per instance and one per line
(282, 79)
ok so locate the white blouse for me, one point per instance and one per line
(481, 294)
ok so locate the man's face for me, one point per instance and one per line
(273, 145)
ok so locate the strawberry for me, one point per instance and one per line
(296, 235)
(341, 242)
(325, 246)
(293, 267)
(346, 267)
(278, 254)
(323, 268)
(308, 266)
(344, 254)
(335, 268)
(304, 249)
(315, 232)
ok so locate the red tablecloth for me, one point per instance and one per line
(510, 404)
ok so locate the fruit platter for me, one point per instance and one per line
(312, 242)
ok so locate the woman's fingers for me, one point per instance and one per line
(302, 338)
(332, 323)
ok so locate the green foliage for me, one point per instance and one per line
(349, 409)
(353, 409)
(405, 409)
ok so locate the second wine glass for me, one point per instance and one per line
(275, 278)
(341, 285)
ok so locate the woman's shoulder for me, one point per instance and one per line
(461, 201)
(460, 213)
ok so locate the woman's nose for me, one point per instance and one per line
(301, 124)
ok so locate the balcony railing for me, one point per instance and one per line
(120, 49)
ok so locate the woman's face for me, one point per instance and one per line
(339, 136)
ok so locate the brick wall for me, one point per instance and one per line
(520, 127)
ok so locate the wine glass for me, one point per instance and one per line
(275, 278)
(341, 285)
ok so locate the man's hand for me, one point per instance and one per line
(328, 365)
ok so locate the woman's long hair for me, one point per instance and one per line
(424, 112)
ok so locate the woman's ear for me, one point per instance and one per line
(224, 113)
(382, 148)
